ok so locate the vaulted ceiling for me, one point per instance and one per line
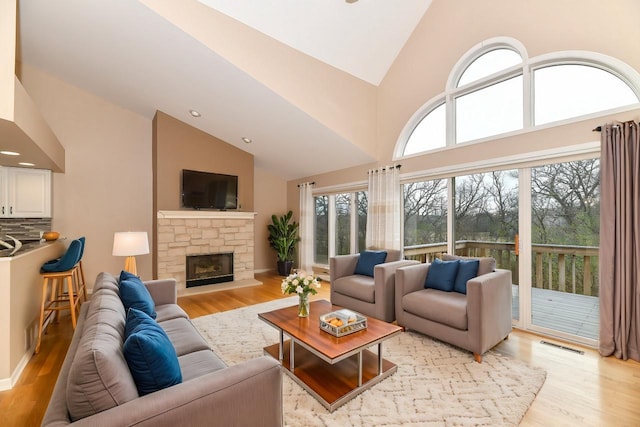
(146, 56)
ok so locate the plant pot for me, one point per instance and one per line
(284, 268)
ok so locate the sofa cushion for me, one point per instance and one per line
(184, 336)
(99, 378)
(448, 308)
(487, 264)
(152, 360)
(442, 275)
(356, 286)
(198, 363)
(368, 260)
(467, 270)
(169, 311)
(134, 293)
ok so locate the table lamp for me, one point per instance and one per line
(129, 244)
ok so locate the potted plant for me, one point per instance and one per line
(283, 237)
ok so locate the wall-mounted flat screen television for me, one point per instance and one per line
(206, 190)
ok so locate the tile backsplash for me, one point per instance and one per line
(24, 228)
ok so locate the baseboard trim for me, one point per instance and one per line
(8, 383)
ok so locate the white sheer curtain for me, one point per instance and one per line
(385, 208)
(307, 214)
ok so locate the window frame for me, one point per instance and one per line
(528, 66)
(331, 193)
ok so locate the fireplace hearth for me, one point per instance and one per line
(209, 269)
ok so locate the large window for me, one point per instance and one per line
(340, 225)
(496, 89)
(565, 91)
(425, 215)
(489, 111)
(343, 224)
(321, 246)
(489, 63)
(430, 132)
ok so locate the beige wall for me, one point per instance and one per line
(107, 185)
(178, 146)
(270, 198)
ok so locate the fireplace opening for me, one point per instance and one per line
(209, 269)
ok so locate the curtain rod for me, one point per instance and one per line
(384, 168)
(599, 128)
(312, 183)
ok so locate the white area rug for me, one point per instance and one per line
(435, 385)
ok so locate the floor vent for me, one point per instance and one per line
(562, 347)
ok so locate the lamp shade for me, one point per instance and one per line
(130, 243)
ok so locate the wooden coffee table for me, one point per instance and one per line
(333, 370)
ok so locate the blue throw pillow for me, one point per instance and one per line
(133, 293)
(467, 270)
(124, 275)
(151, 358)
(136, 318)
(442, 275)
(368, 260)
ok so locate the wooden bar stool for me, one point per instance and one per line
(55, 275)
(80, 284)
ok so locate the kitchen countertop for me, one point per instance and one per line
(24, 250)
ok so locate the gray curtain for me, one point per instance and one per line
(620, 241)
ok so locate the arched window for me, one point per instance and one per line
(489, 63)
(430, 133)
(572, 90)
(489, 90)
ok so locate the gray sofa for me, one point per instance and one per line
(95, 386)
(371, 296)
(475, 322)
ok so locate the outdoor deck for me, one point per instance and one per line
(570, 313)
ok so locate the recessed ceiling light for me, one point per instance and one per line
(26, 164)
(246, 140)
(9, 153)
(195, 113)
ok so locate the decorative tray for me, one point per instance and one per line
(342, 322)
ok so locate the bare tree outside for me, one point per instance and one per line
(362, 206)
(565, 199)
(343, 224)
(425, 213)
(321, 241)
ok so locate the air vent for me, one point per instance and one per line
(562, 347)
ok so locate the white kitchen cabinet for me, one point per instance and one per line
(25, 193)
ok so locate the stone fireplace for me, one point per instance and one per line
(182, 234)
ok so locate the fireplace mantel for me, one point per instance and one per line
(203, 214)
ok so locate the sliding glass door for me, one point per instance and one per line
(486, 220)
(565, 227)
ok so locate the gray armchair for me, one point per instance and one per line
(475, 322)
(371, 296)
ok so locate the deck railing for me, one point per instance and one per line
(564, 268)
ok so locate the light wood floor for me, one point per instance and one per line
(580, 390)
